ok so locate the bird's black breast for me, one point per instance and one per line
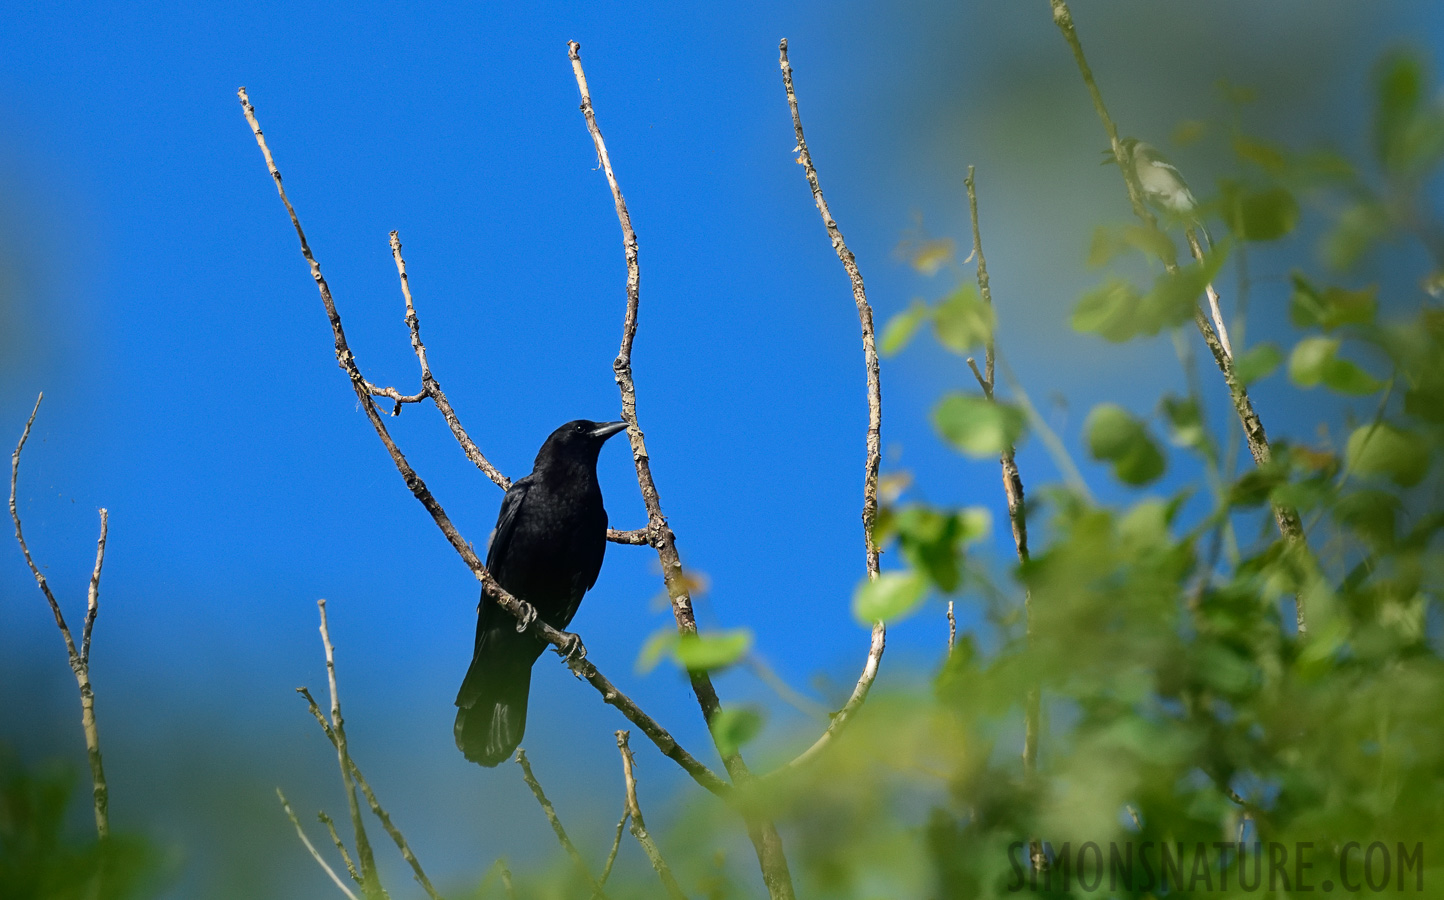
(549, 543)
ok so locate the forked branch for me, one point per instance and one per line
(762, 833)
(639, 825)
(79, 658)
(555, 822)
(525, 614)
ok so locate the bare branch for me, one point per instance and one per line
(92, 599)
(521, 610)
(952, 628)
(315, 854)
(340, 845)
(73, 654)
(637, 536)
(79, 659)
(1213, 302)
(763, 834)
(1013, 492)
(639, 826)
(370, 881)
(616, 845)
(396, 836)
(430, 386)
(556, 823)
(874, 421)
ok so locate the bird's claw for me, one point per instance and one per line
(527, 617)
(571, 648)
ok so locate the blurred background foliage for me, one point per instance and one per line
(1180, 704)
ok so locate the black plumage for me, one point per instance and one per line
(547, 549)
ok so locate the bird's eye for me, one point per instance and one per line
(581, 428)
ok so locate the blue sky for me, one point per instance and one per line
(155, 293)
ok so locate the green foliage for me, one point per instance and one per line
(977, 426)
(695, 652)
(735, 726)
(961, 322)
(889, 597)
(1173, 678)
(1117, 437)
(1330, 307)
(1118, 312)
(1258, 363)
(42, 859)
(1262, 215)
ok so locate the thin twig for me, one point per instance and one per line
(1286, 517)
(431, 387)
(1017, 517)
(340, 845)
(92, 597)
(315, 854)
(556, 823)
(639, 826)
(1214, 309)
(79, 659)
(874, 420)
(616, 845)
(763, 834)
(370, 881)
(790, 695)
(952, 628)
(522, 611)
(396, 836)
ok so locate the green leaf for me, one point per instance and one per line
(962, 320)
(1265, 215)
(1258, 363)
(1384, 449)
(1354, 233)
(1371, 513)
(1109, 310)
(1345, 377)
(901, 328)
(734, 726)
(1174, 295)
(1331, 306)
(929, 540)
(1268, 157)
(1315, 361)
(1116, 436)
(1408, 129)
(976, 426)
(660, 644)
(706, 652)
(1108, 242)
(1310, 359)
(888, 597)
(976, 524)
(1185, 421)
(927, 256)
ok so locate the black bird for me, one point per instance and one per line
(547, 549)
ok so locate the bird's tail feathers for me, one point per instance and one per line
(491, 717)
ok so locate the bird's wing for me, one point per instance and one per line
(506, 525)
(584, 578)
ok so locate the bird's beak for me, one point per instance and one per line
(1109, 158)
(607, 429)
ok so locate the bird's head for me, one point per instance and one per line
(577, 442)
